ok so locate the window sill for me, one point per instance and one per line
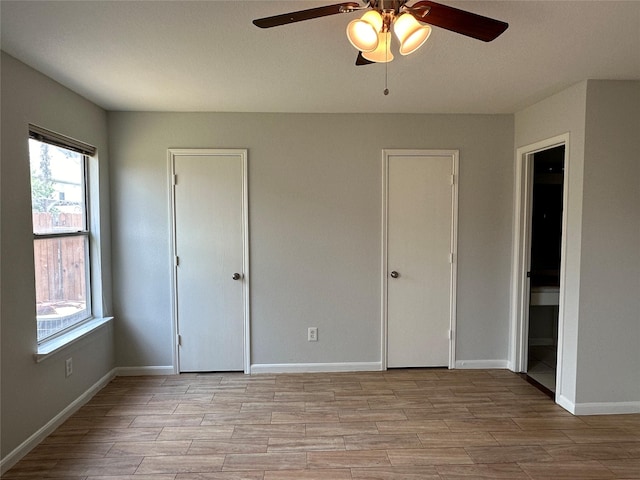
(51, 347)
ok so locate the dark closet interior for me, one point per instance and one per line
(544, 274)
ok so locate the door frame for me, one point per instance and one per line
(454, 154)
(523, 197)
(174, 153)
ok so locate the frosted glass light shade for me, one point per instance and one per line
(363, 32)
(382, 54)
(411, 33)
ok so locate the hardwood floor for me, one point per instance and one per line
(400, 424)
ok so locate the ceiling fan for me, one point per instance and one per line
(371, 34)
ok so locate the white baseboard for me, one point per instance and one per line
(25, 447)
(315, 367)
(607, 408)
(565, 403)
(482, 364)
(598, 408)
(142, 371)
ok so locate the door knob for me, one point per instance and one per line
(236, 276)
(394, 274)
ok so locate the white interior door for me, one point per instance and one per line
(211, 265)
(420, 253)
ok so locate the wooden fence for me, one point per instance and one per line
(60, 272)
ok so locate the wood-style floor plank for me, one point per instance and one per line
(411, 424)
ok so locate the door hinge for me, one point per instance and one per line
(179, 340)
(451, 258)
(450, 334)
(175, 179)
(453, 179)
(177, 261)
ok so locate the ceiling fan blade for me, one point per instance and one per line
(301, 15)
(360, 60)
(459, 21)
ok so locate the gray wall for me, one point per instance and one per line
(609, 348)
(32, 394)
(556, 115)
(315, 226)
(600, 355)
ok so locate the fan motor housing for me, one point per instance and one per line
(387, 5)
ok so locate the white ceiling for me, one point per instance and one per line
(207, 56)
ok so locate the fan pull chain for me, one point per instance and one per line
(386, 64)
(386, 90)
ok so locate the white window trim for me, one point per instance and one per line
(52, 346)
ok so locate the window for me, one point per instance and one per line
(61, 231)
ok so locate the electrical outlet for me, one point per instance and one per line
(312, 334)
(68, 367)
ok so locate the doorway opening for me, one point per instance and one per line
(540, 263)
(545, 249)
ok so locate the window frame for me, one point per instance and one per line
(86, 151)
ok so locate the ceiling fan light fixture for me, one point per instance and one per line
(411, 33)
(382, 54)
(363, 32)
